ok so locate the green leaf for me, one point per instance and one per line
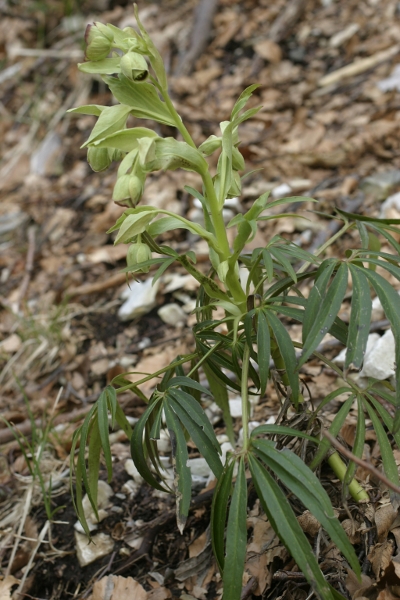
(102, 421)
(180, 457)
(93, 467)
(317, 293)
(359, 440)
(282, 430)
(388, 460)
(287, 351)
(111, 119)
(390, 301)
(334, 429)
(88, 109)
(196, 413)
(219, 390)
(236, 538)
(107, 66)
(301, 481)
(243, 99)
(360, 319)
(268, 264)
(219, 511)
(125, 139)
(137, 447)
(285, 524)
(141, 97)
(325, 314)
(133, 225)
(189, 383)
(263, 350)
(196, 431)
(283, 261)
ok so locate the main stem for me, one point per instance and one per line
(224, 252)
(245, 397)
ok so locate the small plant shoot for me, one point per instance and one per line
(280, 462)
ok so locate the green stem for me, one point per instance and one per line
(328, 243)
(223, 249)
(339, 468)
(245, 397)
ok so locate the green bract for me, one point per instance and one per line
(254, 346)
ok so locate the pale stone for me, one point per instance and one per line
(379, 363)
(101, 545)
(172, 314)
(140, 299)
(11, 344)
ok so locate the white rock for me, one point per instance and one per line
(87, 552)
(172, 314)
(140, 299)
(130, 488)
(164, 443)
(199, 468)
(390, 202)
(131, 469)
(380, 361)
(252, 425)
(11, 344)
(372, 339)
(235, 407)
(281, 190)
(225, 448)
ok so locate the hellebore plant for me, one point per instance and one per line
(256, 346)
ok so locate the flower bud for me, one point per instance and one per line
(210, 145)
(236, 186)
(237, 160)
(128, 190)
(98, 158)
(134, 66)
(98, 40)
(138, 253)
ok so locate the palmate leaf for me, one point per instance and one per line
(390, 301)
(180, 457)
(360, 318)
(284, 262)
(236, 538)
(325, 307)
(385, 416)
(301, 481)
(138, 448)
(219, 511)
(219, 391)
(285, 524)
(198, 427)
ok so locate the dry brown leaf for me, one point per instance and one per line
(160, 593)
(116, 587)
(384, 518)
(5, 587)
(380, 557)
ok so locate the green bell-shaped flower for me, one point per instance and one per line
(138, 253)
(128, 190)
(98, 158)
(99, 39)
(134, 66)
